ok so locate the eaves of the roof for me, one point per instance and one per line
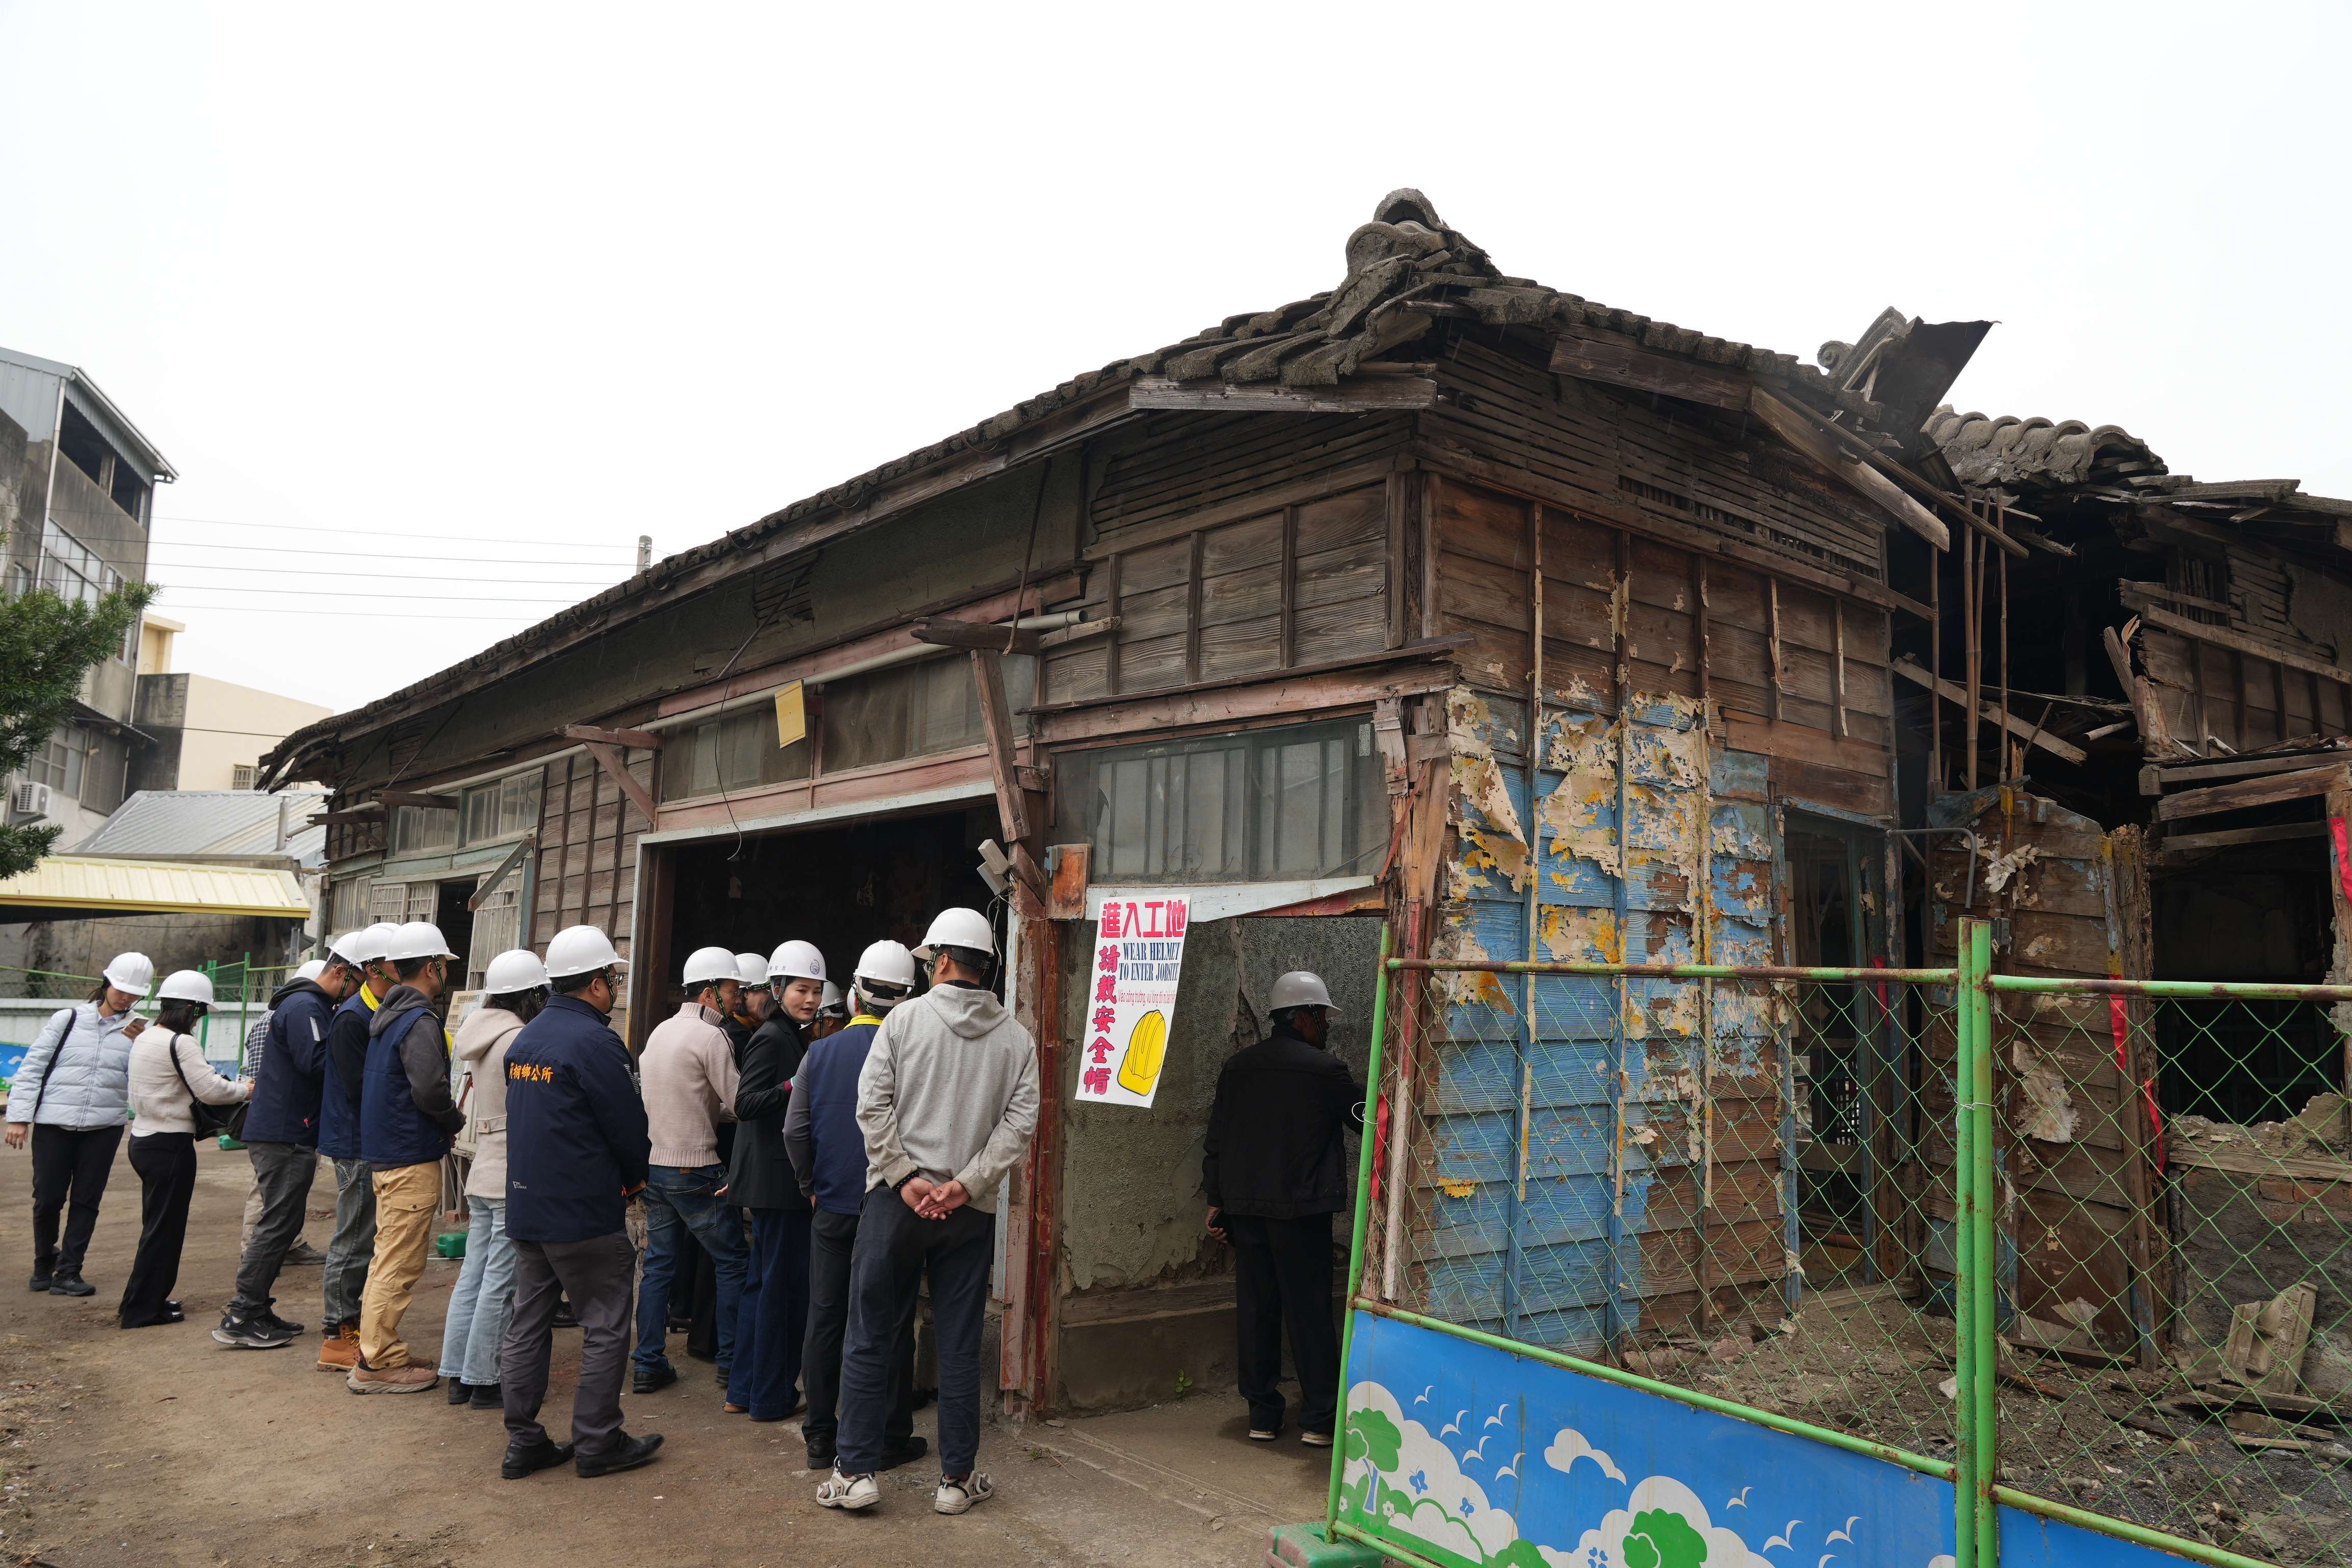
(1407, 272)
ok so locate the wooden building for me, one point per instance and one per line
(1540, 628)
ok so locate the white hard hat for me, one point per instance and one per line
(958, 928)
(833, 1001)
(796, 961)
(368, 943)
(752, 971)
(885, 964)
(518, 971)
(417, 939)
(131, 972)
(185, 985)
(312, 970)
(578, 950)
(1299, 988)
(347, 947)
(706, 965)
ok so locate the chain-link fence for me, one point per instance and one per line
(1991, 1222)
(43, 985)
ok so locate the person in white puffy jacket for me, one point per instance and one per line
(483, 1299)
(69, 1100)
(168, 1073)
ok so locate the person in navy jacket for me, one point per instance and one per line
(281, 1136)
(577, 1152)
(349, 1254)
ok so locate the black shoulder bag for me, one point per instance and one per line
(209, 1118)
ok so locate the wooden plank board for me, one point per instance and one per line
(1620, 362)
(2299, 786)
(1379, 392)
(2222, 637)
(2017, 726)
(1798, 430)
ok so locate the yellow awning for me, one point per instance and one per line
(77, 886)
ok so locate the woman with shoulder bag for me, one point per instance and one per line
(173, 1091)
(69, 1100)
(484, 1296)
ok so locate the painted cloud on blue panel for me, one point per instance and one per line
(1571, 1446)
(1659, 1526)
(1424, 1493)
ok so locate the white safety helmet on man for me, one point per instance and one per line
(958, 928)
(131, 972)
(884, 972)
(348, 948)
(312, 970)
(752, 971)
(708, 966)
(834, 1005)
(185, 986)
(796, 960)
(508, 972)
(415, 940)
(1300, 988)
(370, 944)
(580, 949)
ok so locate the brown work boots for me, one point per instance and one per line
(366, 1379)
(338, 1348)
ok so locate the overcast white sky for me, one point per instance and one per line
(566, 275)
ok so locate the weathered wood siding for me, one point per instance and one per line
(1235, 545)
(587, 856)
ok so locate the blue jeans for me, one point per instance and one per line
(895, 1249)
(479, 1306)
(772, 1324)
(680, 1202)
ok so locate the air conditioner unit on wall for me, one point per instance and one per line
(30, 799)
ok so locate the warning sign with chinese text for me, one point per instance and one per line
(1138, 960)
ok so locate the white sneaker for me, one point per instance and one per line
(957, 1497)
(852, 1492)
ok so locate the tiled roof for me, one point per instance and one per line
(210, 822)
(1987, 453)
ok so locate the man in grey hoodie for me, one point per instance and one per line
(948, 1102)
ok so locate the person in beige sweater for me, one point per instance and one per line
(483, 1295)
(167, 1074)
(689, 1077)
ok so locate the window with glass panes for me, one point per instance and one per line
(1283, 805)
(913, 710)
(502, 808)
(62, 763)
(72, 572)
(736, 751)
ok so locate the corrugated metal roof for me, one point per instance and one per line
(75, 885)
(210, 822)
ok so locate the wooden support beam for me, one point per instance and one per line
(2299, 786)
(416, 798)
(1798, 431)
(2232, 838)
(489, 884)
(2032, 735)
(1616, 360)
(2244, 768)
(1158, 391)
(643, 740)
(2222, 637)
(941, 631)
(366, 811)
(610, 761)
(1077, 632)
(996, 719)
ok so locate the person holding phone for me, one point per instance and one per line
(69, 1100)
(168, 1076)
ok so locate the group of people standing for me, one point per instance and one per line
(826, 1167)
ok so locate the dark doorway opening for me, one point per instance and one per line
(456, 923)
(841, 888)
(2258, 912)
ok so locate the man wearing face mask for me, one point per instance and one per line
(577, 1154)
(773, 1320)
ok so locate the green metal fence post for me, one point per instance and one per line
(1977, 1519)
(1966, 998)
(1365, 1141)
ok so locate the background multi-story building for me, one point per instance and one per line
(76, 487)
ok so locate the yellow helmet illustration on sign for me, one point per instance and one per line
(1147, 1049)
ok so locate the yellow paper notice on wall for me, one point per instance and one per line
(791, 717)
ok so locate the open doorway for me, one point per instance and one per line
(840, 887)
(1842, 1075)
(2254, 912)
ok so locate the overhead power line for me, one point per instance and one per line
(354, 533)
(361, 614)
(369, 554)
(365, 593)
(442, 573)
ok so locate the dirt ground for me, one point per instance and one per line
(156, 1446)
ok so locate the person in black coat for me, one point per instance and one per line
(773, 1320)
(1275, 1170)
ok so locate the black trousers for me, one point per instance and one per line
(896, 1249)
(283, 1173)
(166, 1164)
(69, 1162)
(833, 1242)
(1282, 1271)
(597, 1275)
